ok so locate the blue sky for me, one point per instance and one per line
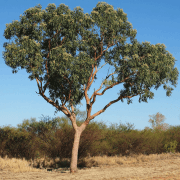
(155, 22)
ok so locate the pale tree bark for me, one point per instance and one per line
(74, 157)
(77, 135)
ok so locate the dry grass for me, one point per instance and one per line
(15, 165)
(21, 165)
(131, 159)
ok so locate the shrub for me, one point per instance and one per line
(170, 147)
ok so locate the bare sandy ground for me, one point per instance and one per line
(153, 170)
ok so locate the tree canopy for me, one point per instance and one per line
(46, 42)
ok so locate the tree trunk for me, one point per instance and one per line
(74, 157)
(77, 135)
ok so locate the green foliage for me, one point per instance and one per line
(171, 147)
(46, 42)
(122, 127)
(54, 138)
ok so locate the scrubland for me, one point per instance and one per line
(43, 150)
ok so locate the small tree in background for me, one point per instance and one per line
(157, 122)
(46, 42)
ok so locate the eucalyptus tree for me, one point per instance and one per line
(45, 45)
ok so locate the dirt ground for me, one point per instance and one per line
(160, 169)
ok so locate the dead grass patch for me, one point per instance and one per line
(22, 165)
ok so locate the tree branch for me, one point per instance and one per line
(62, 108)
(95, 93)
(101, 85)
(49, 41)
(101, 66)
(40, 88)
(88, 103)
(110, 103)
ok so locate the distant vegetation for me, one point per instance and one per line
(53, 139)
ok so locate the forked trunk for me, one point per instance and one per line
(74, 157)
